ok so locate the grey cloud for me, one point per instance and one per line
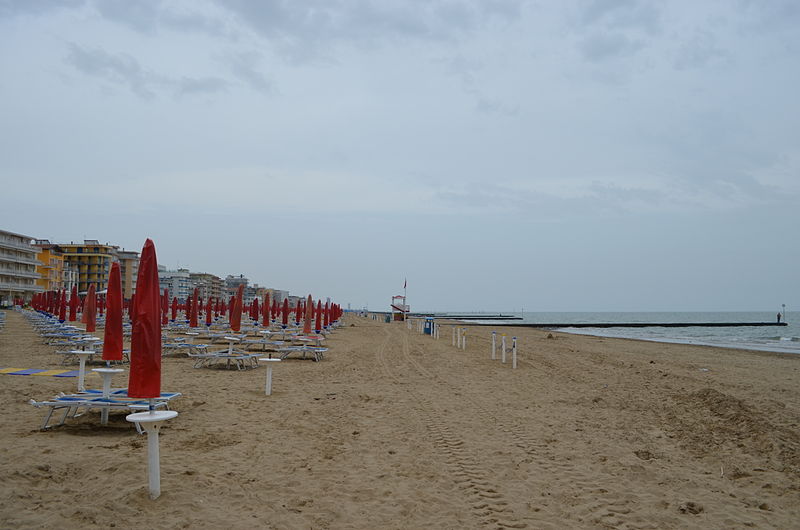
(306, 30)
(9, 8)
(140, 16)
(599, 198)
(119, 69)
(490, 106)
(245, 67)
(204, 85)
(622, 14)
(610, 29)
(600, 47)
(699, 51)
(122, 69)
(148, 17)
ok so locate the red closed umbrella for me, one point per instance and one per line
(265, 320)
(285, 313)
(208, 311)
(297, 310)
(90, 310)
(236, 312)
(62, 307)
(193, 310)
(174, 308)
(318, 326)
(73, 304)
(327, 319)
(309, 307)
(187, 309)
(145, 377)
(254, 310)
(112, 335)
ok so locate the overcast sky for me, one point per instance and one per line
(551, 155)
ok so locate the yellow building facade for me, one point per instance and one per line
(92, 261)
(51, 265)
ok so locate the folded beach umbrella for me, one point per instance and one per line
(236, 313)
(73, 303)
(90, 310)
(318, 325)
(208, 311)
(297, 312)
(145, 377)
(285, 313)
(230, 306)
(62, 307)
(193, 310)
(174, 308)
(265, 320)
(112, 335)
(309, 314)
(164, 304)
(255, 309)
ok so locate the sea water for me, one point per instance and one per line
(784, 339)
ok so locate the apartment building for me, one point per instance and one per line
(208, 285)
(178, 282)
(129, 271)
(17, 268)
(92, 261)
(51, 265)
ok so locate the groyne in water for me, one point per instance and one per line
(629, 324)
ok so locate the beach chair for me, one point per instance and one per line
(86, 401)
(316, 353)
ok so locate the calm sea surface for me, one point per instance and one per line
(777, 339)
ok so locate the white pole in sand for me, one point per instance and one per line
(151, 422)
(464, 340)
(503, 348)
(268, 388)
(514, 352)
(494, 345)
(454, 335)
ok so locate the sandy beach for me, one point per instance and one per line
(395, 429)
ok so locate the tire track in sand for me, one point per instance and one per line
(562, 474)
(487, 503)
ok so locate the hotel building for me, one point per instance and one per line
(17, 268)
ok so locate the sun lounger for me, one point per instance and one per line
(316, 353)
(71, 404)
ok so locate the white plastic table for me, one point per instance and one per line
(82, 356)
(107, 374)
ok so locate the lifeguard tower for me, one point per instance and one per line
(399, 307)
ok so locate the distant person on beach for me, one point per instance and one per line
(779, 318)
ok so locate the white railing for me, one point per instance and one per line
(19, 246)
(5, 286)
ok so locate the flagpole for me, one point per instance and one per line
(405, 300)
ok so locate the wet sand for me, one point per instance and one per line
(395, 429)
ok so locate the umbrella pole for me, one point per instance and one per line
(151, 422)
(81, 373)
